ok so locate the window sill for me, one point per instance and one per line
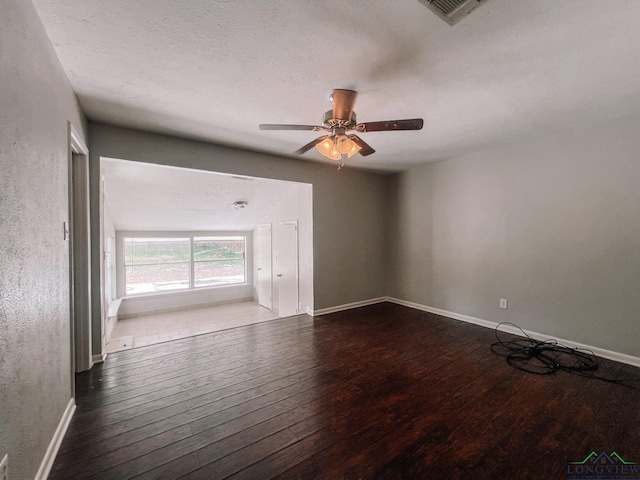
(185, 291)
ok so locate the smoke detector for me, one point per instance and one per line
(452, 11)
(239, 205)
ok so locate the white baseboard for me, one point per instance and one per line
(56, 441)
(99, 358)
(444, 313)
(346, 306)
(600, 352)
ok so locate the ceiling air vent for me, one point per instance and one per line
(452, 11)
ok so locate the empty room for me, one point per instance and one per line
(319, 240)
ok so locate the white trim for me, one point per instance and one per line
(444, 313)
(77, 145)
(600, 352)
(114, 306)
(346, 306)
(121, 235)
(100, 358)
(56, 441)
(80, 253)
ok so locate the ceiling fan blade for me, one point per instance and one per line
(365, 149)
(310, 145)
(410, 124)
(343, 102)
(278, 126)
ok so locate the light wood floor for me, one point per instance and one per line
(157, 328)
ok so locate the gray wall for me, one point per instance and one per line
(551, 224)
(36, 103)
(348, 206)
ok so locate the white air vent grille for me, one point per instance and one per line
(452, 11)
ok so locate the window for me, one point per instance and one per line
(218, 260)
(156, 264)
(164, 264)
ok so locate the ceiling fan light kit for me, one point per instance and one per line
(337, 122)
(337, 145)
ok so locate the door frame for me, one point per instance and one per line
(79, 238)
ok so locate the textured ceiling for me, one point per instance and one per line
(214, 70)
(144, 196)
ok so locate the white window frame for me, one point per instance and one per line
(190, 235)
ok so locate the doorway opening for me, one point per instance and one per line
(79, 237)
(186, 245)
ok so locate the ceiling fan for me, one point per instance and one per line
(338, 122)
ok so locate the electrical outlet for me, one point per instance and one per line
(4, 468)
(503, 303)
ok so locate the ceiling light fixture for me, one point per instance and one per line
(335, 146)
(342, 119)
(239, 205)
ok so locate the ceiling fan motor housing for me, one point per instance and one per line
(330, 122)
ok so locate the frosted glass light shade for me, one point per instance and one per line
(328, 149)
(343, 144)
(355, 148)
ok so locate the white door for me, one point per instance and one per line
(264, 265)
(287, 269)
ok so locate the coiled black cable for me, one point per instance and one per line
(546, 357)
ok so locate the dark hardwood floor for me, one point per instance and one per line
(382, 392)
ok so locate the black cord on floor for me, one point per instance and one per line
(546, 357)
